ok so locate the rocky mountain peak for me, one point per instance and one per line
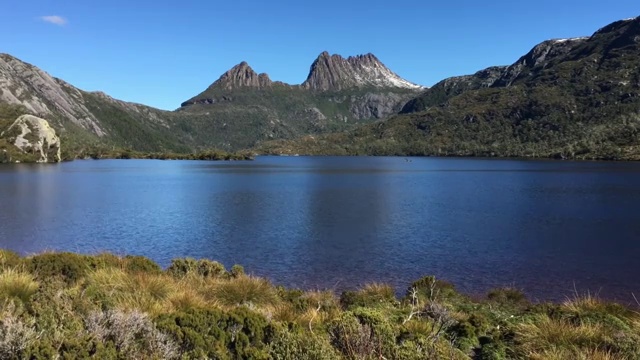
(242, 75)
(333, 72)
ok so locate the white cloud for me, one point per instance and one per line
(54, 19)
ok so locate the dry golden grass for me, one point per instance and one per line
(125, 291)
(186, 298)
(284, 312)
(576, 354)
(547, 336)
(589, 304)
(383, 292)
(245, 290)
(16, 284)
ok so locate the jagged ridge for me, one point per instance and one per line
(333, 72)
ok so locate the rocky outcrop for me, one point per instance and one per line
(543, 55)
(26, 85)
(242, 75)
(376, 106)
(333, 72)
(34, 135)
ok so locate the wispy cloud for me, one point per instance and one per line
(54, 19)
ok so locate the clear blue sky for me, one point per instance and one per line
(161, 53)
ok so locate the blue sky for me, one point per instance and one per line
(161, 53)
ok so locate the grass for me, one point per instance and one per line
(16, 284)
(105, 306)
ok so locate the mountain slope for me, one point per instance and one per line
(338, 94)
(576, 98)
(239, 110)
(85, 119)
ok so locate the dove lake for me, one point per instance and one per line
(549, 228)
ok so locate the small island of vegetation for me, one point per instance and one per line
(66, 305)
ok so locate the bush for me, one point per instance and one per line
(136, 264)
(181, 267)
(287, 345)
(15, 336)
(430, 288)
(363, 333)
(132, 333)
(208, 268)
(237, 271)
(508, 297)
(213, 333)
(203, 267)
(68, 266)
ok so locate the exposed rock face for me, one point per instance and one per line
(376, 106)
(242, 75)
(35, 135)
(42, 94)
(333, 72)
(541, 56)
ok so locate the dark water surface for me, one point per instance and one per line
(321, 222)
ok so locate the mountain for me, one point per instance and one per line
(239, 110)
(335, 73)
(84, 120)
(566, 98)
(338, 94)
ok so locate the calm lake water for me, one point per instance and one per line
(337, 222)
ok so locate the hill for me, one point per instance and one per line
(566, 98)
(237, 111)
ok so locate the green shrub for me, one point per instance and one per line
(68, 266)
(363, 333)
(135, 264)
(509, 296)
(287, 345)
(237, 270)
(203, 267)
(216, 334)
(208, 268)
(490, 349)
(429, 288)
(183, 266)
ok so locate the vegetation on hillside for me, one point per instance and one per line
(567, 99)
(103, 306)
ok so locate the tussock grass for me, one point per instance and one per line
(576, 354)
(245, 290)
(380, 292)
(185, 298)
(17, 284)
(546, 333)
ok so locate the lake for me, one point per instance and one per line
(546, 227)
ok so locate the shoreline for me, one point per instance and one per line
(107, 306)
